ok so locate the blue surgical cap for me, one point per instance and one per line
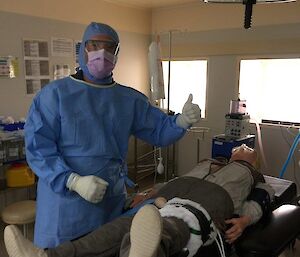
(94, 29)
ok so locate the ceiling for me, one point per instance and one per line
(150, 4)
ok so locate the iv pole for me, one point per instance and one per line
(201, 130)
(168, 110)
(169, 69)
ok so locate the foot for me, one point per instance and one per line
(145, 232)
(19, 246)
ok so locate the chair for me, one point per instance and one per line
(20, 213)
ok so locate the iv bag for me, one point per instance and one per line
(156, 72)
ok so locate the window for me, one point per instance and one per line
(271, 88)
(186, 77)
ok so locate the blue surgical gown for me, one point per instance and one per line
(73, 126)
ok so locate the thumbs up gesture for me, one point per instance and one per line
(191, 113)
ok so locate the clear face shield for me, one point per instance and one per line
(108, 45)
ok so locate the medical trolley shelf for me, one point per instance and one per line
(12, 150)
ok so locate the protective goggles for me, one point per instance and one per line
(110, 46)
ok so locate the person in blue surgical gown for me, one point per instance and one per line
(77, 134)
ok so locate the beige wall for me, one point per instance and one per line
(40, 19)
(83, 12)
(131, 68)
(212, 31)
(203, 17)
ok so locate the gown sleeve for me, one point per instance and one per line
(42, 132)
(154, 126)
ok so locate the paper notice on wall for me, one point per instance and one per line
(4, 68)
(61, 71)
(77, 44)
(35, 48)
(35, 85)
(36, 68)
(62, 47)
(9, 67)
(36, 62)
(14, 72)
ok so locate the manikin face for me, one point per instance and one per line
(244, 153)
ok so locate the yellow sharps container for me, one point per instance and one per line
(19, 175)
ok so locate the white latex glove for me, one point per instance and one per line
(91, 188)
(190, 114)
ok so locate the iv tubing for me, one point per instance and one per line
(262, 152)
(290, 155)
(168, 106)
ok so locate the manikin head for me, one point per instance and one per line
(244, 153)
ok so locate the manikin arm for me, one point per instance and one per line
(257, 205)
(258, 202)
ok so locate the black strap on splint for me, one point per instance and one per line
(203, 222)
(262, 197)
